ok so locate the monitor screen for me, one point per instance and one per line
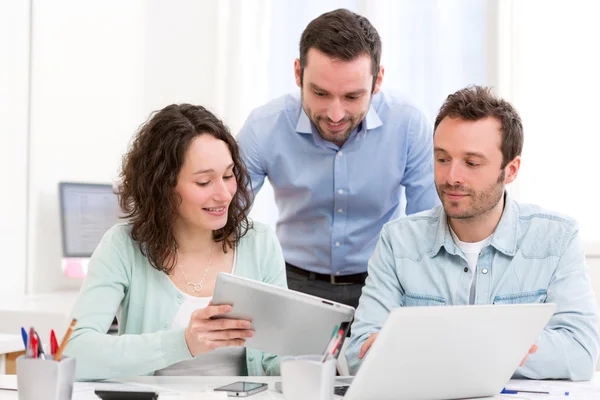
(88, 210)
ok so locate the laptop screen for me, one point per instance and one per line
(87, 211)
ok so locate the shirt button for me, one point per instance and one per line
(341, 191)
(340, 210)
(466, 269)
(484, 271)
(251, 358)
(339, 154)
(337, 244)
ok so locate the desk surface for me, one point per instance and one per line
(200, 384)
(56, 302)
(11, 343)
(42, 311)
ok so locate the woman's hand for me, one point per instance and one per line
(204, 334)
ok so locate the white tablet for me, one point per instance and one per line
(285, 322)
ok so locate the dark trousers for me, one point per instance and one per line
(345, 294)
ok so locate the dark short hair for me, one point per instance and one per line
(149, 176)
(343, 35)
(476, 102)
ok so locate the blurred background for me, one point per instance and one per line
(77, 78)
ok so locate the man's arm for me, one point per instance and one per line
(568, 346)
(251, 154)
(418, 175)
(381, 294)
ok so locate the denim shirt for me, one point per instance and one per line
(535, 256)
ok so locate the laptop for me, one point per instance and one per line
(285, 322)
(448, 352)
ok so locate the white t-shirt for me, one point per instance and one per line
(471, 252)
(224, 361)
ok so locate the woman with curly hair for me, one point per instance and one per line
(185, 194)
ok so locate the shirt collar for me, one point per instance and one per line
(504, 238)
(304, 124)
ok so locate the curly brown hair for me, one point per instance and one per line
(477, 102)
(149, 176)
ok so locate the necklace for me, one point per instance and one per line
(190, 286)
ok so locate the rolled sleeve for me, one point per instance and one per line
(568, 346)
(381, 294)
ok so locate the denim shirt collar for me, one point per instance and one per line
(304, 124)
(504, 238)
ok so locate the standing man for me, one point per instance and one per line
(340, 157)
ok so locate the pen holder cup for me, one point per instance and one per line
(307, 377)
(45, 379)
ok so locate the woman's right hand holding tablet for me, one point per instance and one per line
(204, 334)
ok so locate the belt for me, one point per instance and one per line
(358, 279)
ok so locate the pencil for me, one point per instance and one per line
(65, 340)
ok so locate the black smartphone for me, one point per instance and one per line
(242, 389)
(124, 395)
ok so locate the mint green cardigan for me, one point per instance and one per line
(121, 280)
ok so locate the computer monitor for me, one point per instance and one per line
(87, 211)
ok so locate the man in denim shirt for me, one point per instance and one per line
(482, 247)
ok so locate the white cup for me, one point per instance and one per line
(307, 377)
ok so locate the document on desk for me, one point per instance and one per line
(551, 390)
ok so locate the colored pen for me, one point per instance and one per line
(65, 340)
(53, 342)
(30, 339)
(330, 344)
(34, 346)
(24, 336)
(40, 351)
(344, 326)
(336, 344)
(517, 391)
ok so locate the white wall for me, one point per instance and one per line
(551, 62)
(100, 68)
(86, 100)
(594, 269)
(14, 91)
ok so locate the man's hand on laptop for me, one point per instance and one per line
(367, 345)
(532, 350)
(204, 334)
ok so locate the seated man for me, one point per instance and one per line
(482, 247)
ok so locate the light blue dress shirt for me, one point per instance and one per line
(535, 256)
(334, 201)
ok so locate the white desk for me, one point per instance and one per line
(199, 384)
(9, 344)
(42, 311)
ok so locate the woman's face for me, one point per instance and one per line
(206, 184)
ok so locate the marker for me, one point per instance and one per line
(53, 342)
(24, 336)
(330, 344)
(517, 391)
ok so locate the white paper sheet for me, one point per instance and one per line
(557, 390)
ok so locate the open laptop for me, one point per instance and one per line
(451, 352)
(285, 322)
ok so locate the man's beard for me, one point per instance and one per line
(480, 202)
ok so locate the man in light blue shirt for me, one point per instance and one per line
(482, 247)
(340, 157)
